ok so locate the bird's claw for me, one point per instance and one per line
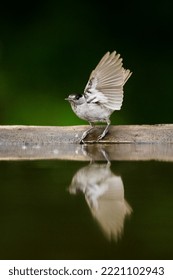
(93, 141)
(100, 137)
(82, 141)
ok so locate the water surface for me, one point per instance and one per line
(56, 209)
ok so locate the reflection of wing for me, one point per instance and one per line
(112, 208)
(105, 85)
(104, 193)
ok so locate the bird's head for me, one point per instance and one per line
(76, 99)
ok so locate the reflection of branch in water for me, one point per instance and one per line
(104, 193)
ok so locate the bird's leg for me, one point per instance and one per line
(86, 133)
(86, 153)
(104, 132)
(106, 157)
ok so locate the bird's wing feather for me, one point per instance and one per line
(105, 85)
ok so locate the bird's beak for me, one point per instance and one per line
(69, 99)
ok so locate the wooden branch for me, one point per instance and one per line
(130, 142)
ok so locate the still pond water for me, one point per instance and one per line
(56, 209)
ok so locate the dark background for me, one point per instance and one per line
(48, 49)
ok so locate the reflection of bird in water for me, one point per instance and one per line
(104, 193)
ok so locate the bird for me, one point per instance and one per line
(103, 93)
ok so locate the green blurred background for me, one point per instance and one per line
(48, 49)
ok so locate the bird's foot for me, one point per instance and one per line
(100, 137)
(103, 133)
(93, 141)
(84, 135)
(82, 141)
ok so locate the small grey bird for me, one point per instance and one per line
(103, 93)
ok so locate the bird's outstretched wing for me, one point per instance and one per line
(105, 85)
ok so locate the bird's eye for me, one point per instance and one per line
(78, 96)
